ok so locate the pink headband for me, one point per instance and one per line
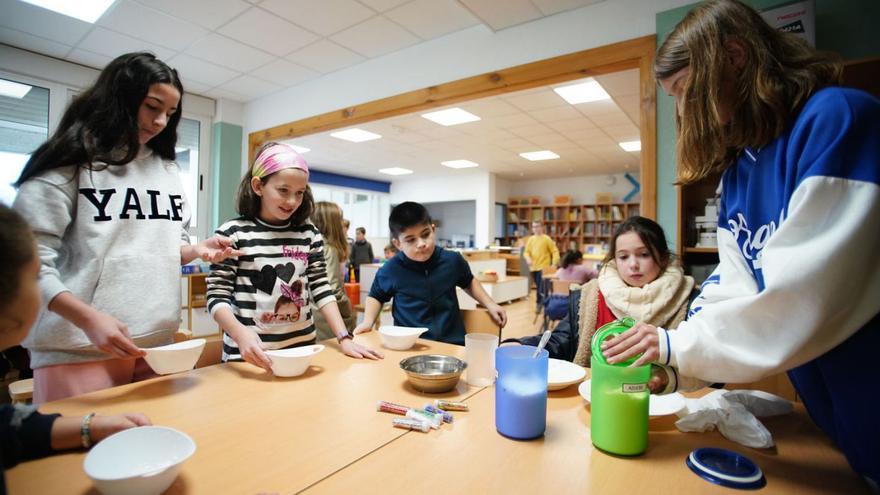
(276, 158)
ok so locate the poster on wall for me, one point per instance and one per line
(798, 18)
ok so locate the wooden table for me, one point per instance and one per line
(254, 433)
(471, 457)
(320, 434)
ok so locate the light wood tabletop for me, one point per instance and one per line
(320, 433)
(469, 456)
(254, 433)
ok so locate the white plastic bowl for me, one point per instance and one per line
(175, 358)
(562, 373)
(294, 361)
(399, 338)
(138, 461)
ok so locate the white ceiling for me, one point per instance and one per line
(585, 135)
(243, 50)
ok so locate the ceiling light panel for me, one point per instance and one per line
(84, 10)
(451, 116)
(395, 171)
(459, 164)
(585, 92)
(355, 135)
(536, 156)
(631, 145)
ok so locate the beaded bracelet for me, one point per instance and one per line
(85, 431)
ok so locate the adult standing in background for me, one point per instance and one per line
(361, 252)
(540, 252)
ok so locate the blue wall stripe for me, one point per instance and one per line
(332, 179)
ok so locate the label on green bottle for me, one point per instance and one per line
(631, 388)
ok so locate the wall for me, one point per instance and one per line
(582, 189)
(454, 218)
(78, 76)
(225, 171)
(475, 186)
(848, 28)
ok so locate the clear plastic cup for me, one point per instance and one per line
(480, 357)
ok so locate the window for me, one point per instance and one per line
(187, 152)
(365, 209)
(27, 118)
(24, 125)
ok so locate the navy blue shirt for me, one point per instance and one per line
(424, 293)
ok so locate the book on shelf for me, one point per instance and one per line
(536, 215)
(616, 214)
(512, 216)
(548, 214)
(590, 213)
(589, 229)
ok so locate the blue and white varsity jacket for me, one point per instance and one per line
(799, 248)
(798, 284)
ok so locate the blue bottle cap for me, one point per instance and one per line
(726, 468)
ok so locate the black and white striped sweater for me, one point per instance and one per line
(271, 287)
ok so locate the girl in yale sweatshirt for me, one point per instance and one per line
(107, 207)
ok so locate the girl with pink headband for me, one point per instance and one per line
(282, 265)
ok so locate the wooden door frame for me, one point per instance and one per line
(632, 54)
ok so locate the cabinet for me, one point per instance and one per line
(194, 305)
(697, 261)
(571, 226)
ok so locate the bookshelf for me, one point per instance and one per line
(571, 226)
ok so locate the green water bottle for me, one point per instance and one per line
(619, 398)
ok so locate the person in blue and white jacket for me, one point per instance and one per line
(798, 284)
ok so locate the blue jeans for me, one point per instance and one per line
(537, 277)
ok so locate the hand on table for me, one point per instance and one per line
(252, 350)
(355, 350)
(103, 426)
(362, 327)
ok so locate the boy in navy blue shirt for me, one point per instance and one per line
(422, 279)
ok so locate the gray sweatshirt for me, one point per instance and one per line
(112, 238)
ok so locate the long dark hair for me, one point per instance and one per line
(571, 257)
(651, 234)
(18, 248)
(779, 74)
(102, 122)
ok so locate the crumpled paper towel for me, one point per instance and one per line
(735, 413)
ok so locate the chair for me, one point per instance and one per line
(560, 287)
(556, 302)
(21, 391)
(480, 321)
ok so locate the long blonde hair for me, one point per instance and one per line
(327, 217)
(780, 73)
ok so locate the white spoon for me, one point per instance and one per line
(544, 338)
